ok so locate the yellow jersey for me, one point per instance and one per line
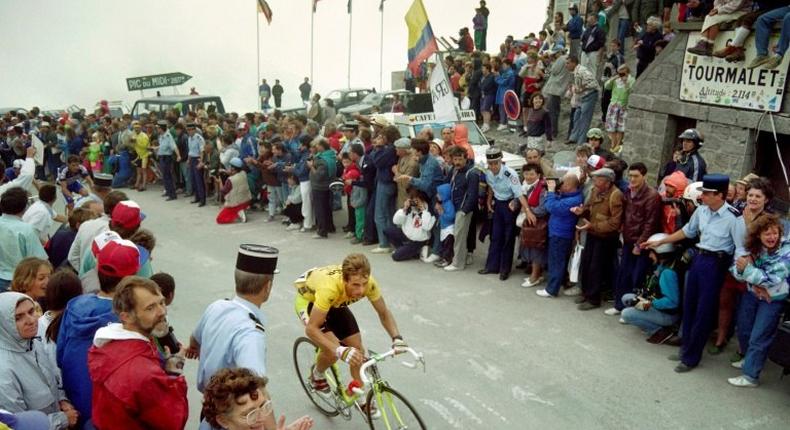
(324, 287)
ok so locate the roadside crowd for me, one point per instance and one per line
(84, 338)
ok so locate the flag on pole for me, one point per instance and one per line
(381, 6)
(422, 42)
(445, 105)
(349, 7)
(264, 8)
(315, 3)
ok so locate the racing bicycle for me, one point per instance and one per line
(396, 413)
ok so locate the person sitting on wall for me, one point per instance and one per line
(724, 11)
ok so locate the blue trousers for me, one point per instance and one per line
(757, 324)
(385, 209)
(559, 249)
(583, 117)
(765, 24)
(197, 180)
(405, 248)
(53, 163)
(503, 239)
(183, 168)
(630, 273)
(700, 304)
(371, 234)
(166, 166)
(650, 321)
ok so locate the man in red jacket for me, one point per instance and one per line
(131, 388)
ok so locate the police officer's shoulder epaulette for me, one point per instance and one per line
(734, 211)
(507, 173)
(258, 323)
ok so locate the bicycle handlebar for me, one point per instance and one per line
(418, 359)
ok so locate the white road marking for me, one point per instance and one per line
(523, 395)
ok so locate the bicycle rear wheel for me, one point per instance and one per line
(304, 354)
(396, 412)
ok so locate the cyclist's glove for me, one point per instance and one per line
(399, 345)
(345, 353)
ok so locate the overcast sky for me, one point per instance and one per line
(58, 53)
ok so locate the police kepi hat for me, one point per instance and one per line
(715, 182)
(493, 153)
(102, 179)
(258, 259)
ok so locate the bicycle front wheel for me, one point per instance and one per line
(305, 352)
(396, 412)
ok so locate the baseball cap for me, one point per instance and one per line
(236, 162)
(596, 161)
(127, 214)
(119, 258)
(18, 163)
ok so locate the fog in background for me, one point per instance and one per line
(58, 53)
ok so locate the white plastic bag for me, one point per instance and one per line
(575, 263)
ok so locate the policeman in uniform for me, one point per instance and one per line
(504, 197)
(721, 233)
(231, 333)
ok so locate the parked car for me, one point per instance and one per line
(383, 101)
(184, 103)
(411, 124)
(5, 110)
(347, 97)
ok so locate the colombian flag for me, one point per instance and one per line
(422, 43)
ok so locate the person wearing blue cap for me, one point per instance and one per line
(721, 231)
(236, 192)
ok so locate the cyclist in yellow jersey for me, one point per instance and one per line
(322, 300)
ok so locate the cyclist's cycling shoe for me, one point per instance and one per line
(318, 384)
(374, 411)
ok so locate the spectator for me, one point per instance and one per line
(323, 168)
(646, 45)
(689, 161)
(463, 178)
(488, 88)
(293, 205)
(574, 29)
(277, 92)
(641, 216)
(350, 174)
(764, 26)
(58, 246)
(430, 174)
(603, 214)
(237, 399)
(534, 226)
(412, 225)
(89, 229)
(766, 270)
(616, 114)
(674, 211)
(612, 62)
(132, 385)
(562, 223)
(40, 214)
(384, 157)
(585, 88)
(26, 383)
(593, 40)
(480, 24)
(315, 112)
(505, 79)
(86, 314)
(167, 152)
(655, 309)
(724, 11)
(538, 126)
(196, 144)
(70, 180)
(445, 210)
(304, 91)
(31, 277)
(140, 143)
(236, 193)
(557, 84)
(17, 239)
(595, 139)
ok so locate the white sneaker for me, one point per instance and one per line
(243, 216)
(529, 283)
(380, 250)
(738, 364)
(572, 292)
(543, 293)
(470, 258)
(424, 251)
(348, 235)
(293, 227)
(611, 312)
(269, 219)
(741, 381)
(622, 321)
(451, 268)
(431, 258)
(501, 127)
(485, 128)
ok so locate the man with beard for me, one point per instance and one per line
(132, 387)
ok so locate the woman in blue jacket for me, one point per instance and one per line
(505, 80)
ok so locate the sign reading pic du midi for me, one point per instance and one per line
(156, 81)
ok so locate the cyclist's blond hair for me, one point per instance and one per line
(355, 265)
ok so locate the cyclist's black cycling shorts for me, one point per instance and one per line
(340, 321)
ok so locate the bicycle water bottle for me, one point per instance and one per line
(354, 388)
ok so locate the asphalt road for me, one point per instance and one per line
(498, 356)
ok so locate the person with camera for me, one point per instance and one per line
(412, 226)
(133, 387)
(655, 308)
(236, 192)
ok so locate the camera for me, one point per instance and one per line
(631, 301)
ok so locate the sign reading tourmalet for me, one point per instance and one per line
(156, 81)
(715, 81)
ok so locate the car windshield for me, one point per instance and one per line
(372, 99)
(335, 95)
(475, 136)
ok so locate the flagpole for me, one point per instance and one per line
(258, 56)
(348, 76)
(381, 50)
(312, 20)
